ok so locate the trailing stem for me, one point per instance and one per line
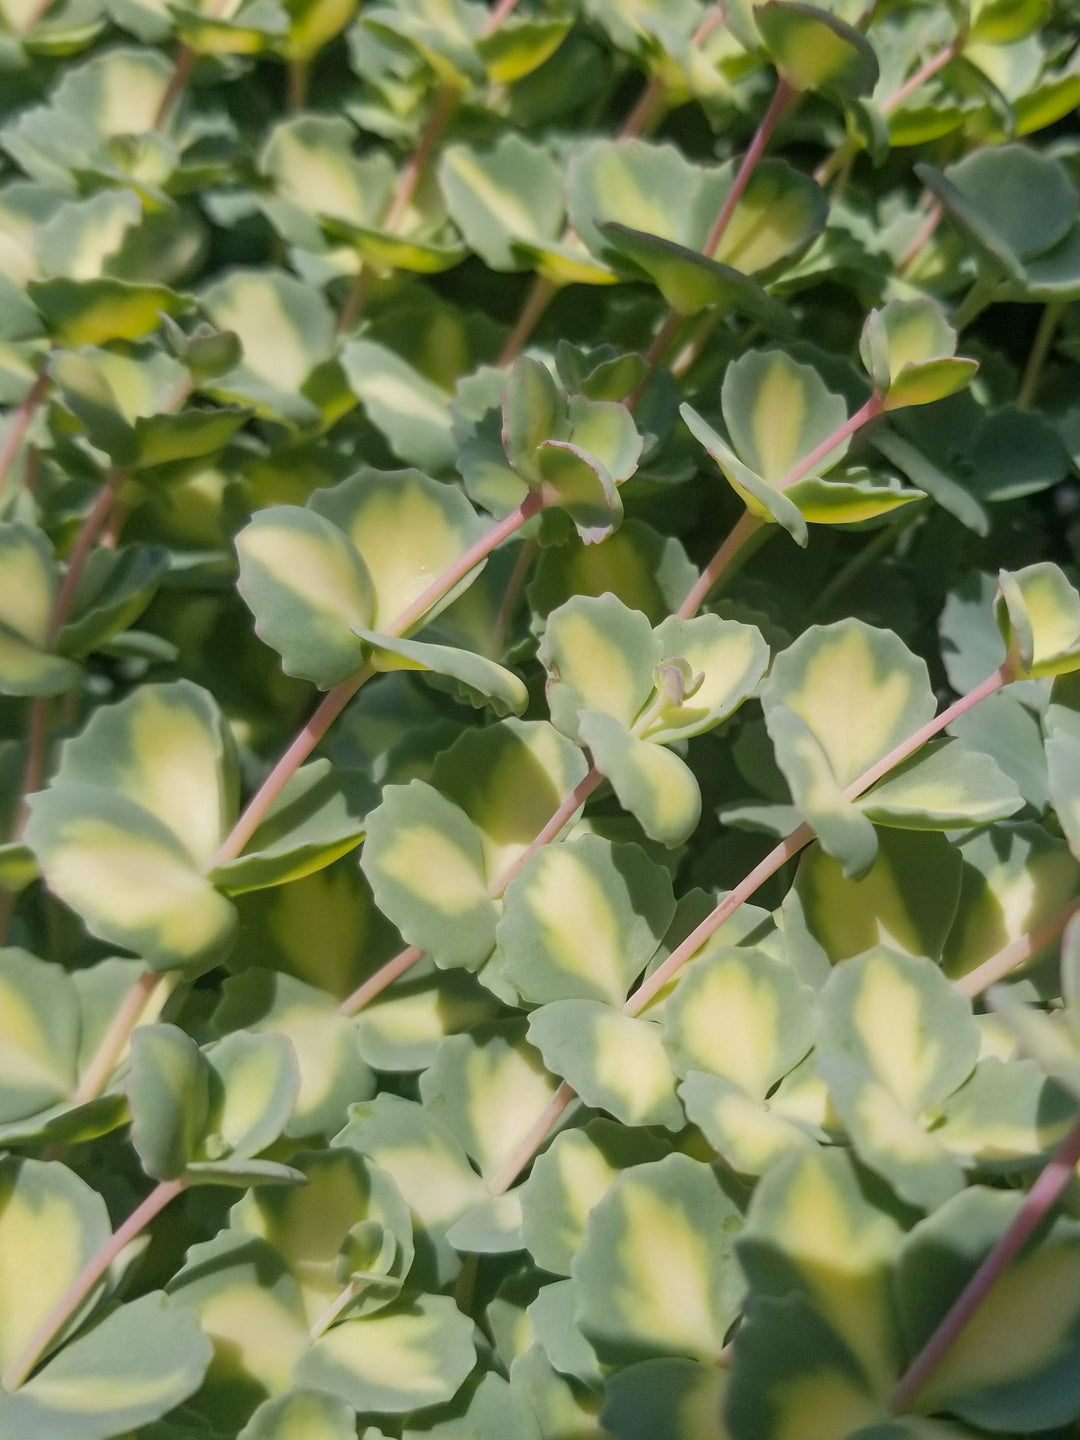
(764, 870)
(541, 293)
(38, 731)
(783, 98)
(920, 239)
(82, 1286)
(533, 1138)
(1018, 952)
(747, 531)
(336, 699)
(19, 424)
(646, 111)
(845, 152)
(118, 1034)
(1040, 349)
(446, 101)
(508, 604)
(1041, 1199)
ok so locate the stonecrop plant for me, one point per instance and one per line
(540, 739)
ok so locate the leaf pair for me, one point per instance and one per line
(779, 413)
(1018, 211)
(203, 1116)
(51, 1024)
(840, 699)
(627, 690)
(127, 832)
(332, 585)
(816, 1217)
(113, 590)
(123, 1370)
(436, 854)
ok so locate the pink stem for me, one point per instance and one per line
(185, 63)
(922, 75)
(1041, 1198)
(783, 97)
(800, 837)
(649, 104)
(445, 104)
(745, 528)
(81, 1287)
(385, 976)
(303, 744)
(84, 543)
(1018, 952)
(37, 737)
(508, 604)
(773, 861)
(532, 1140)
(500, 12)
(116, 1037)
(19, 423)
(809, 463)
(540, 296)
(920, 239)
(655, 353)
(37, 745)
(562, 816)
(336, 699)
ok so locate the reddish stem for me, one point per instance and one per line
(1018, 952)
(899, 753)
(298, 72)
(508, 604)
(922, 75)
(185, 64)
(649, 105)
(794, 842)
(920, 239)
(741, 533)
(532, 1140)
(385, 976)
(37, 746)
(774, 861)
(499, 12)
(92, 526)
(116, 1037)
(540, 296)
(561, 818)
(783, 98)
(1040, 1200)
(748, 527)
(336, 699)
(83, 1284)
(19, 424)
(330, 707)
(445, 103)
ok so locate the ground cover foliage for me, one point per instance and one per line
(539, 647)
